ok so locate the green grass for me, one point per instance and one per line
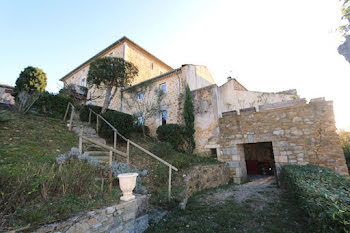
(29, 145)
(35, 139)
(281, 215)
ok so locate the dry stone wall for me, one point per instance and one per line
(128, 217)
(204, 177)
(300, 133)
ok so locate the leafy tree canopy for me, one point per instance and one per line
(344, 48)
(109, 72)
(31, 80)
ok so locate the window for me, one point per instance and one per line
(83, 82)
(140, 96)
(140, 120)
(152, 66)
(162, 87)
(111, 54)
(163, 115)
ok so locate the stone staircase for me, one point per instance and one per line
(91, 149)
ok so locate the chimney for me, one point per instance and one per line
(229, 79)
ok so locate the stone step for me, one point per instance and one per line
(86, 131)
(102, 159)
(97, 153)
(98, 139)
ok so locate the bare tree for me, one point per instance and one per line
(145, 101)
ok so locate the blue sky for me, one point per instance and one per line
(267, 45)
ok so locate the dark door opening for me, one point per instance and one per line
(259, 158)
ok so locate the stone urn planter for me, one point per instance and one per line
(127, 183)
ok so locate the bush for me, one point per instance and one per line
(162, 149)
(84, 113)
(138, 129)
(123, 122)
(172, 133)
(322, 193)
(4, 116)
(52, 105)
(180, 160)
(345, 143)
(23, 185)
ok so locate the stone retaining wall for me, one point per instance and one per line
(128, 217)
(204, 177)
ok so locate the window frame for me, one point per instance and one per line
(160, 87)
(161, 117)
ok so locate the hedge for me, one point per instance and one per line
(84, 112)
(322, 193)
(52, 105)
(123, 122)
(172, 133)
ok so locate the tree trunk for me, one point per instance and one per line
(106, 101)
(143, 130)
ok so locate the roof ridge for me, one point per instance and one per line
(108, 48)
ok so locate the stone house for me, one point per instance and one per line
(5, 94)
(245, 129)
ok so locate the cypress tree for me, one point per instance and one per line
(189, 120)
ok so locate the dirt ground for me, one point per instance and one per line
(256, 206)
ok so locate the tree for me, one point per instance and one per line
(31, 80)
(30, 84)
(344, 48)
(189, 120)
(145, 102)
(109, 73)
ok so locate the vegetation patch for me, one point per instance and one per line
(52, 105)
(173, 134)
(34, 189)
(322, 193)
(213, 211)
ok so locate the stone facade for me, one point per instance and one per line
(264, 116)
(5, 94)
(130, 217)
(175, 82)
(300, 133)
(204, 177)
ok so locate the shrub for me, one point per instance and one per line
(345, 143)
(4, 116)
(172, 133)
(138, 129)
(22, 185)
(322, 193)
(123, 122)
(162, 149)
(52, 105)
(180, 160)
(84, 112)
